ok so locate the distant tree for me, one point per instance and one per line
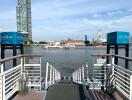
(69, 39)
(87, 42)
(28, 42)
(42, 42)
(35, 42)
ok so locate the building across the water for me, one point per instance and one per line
(73, 42)
(24, 23)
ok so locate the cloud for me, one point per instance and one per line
(79, 28)
(58, 19)
(2, 29)
(69, 8)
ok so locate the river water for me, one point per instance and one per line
(67, 60)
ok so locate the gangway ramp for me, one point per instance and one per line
(63, 91)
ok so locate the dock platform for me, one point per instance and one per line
(31, 95)
(67, 90)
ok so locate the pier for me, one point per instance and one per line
(115, 80)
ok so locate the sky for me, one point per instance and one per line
(62, 19)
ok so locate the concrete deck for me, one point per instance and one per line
(65, 90)
(68, 90)
(32, 95)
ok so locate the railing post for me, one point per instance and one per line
(40, 73)
(113, 69)
(130, 96)
(50, 75)
(86, 72)
(46, 77)
(53, 75)
(56, 75)
(79, 75)
(3, 82)
(76, 75)
(112, 64)
(22, 70)
(22, 65)
(82, 70)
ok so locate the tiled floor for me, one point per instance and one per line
(32, 95)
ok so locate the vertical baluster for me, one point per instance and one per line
(53, 75)
(87, 72)
(46, 78)
(3, 82)
(83, 73)
(130, 96)
(40, 72)
(113, 61)
(50, 75)
(79, 74)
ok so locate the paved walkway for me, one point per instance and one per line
(32, 95)
(67, 90)
(63, 91)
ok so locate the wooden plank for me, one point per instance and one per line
(99, 95)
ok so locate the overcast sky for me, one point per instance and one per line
(60, 19)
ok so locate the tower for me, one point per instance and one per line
(86, 41)
(24, 23)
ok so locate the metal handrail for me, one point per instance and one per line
(112, 55)
(52, 75)
(9, 79)
(115, 75)
(18, 56)
(122, 77)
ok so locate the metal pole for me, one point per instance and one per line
(40, 73)
(116, 52)
(14, 54)
(46, 78)
(87, 72)
(3, 82)
(53, 75)
(2, 51)
(50, 75)
(127, 55)
(79, 74)
(108, 52)
(130, 96)
(83, 73)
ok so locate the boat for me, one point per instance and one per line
(53, 47)
(66, 47)
(58, 46)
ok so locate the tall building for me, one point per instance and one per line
(24, 22)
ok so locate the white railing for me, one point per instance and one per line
(81, 74)
(107, 75)
(9, 79)
(100, 73)
(122, 80)
(52, 75)
(33, 69)
(117, 76)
